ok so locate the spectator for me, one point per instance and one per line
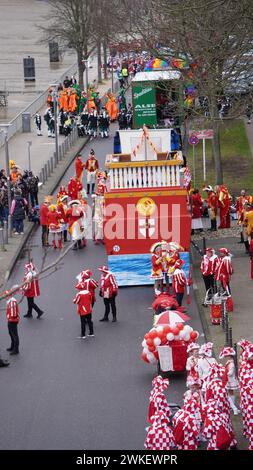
(18, 212)
(33, 187)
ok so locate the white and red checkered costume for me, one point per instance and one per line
(160, 435)
(157, 400)
(215, 419)
(186, 419)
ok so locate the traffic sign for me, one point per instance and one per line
(202, 134)
(193, 140)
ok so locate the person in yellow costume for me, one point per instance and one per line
(111, 107)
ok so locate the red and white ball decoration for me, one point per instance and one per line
(163, 335)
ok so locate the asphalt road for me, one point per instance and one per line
(65, 393)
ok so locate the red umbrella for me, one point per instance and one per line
(171, 317)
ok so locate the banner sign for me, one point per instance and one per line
(144, 102)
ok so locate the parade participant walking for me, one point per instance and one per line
(62, 209)
(207, 267)
(216, 429)
(108, 291)
(38, 123)
(79, 165)
(212, 201)
(18, 212)
(44, 211)
(85, 282)
(179, 281)
(104, 123)
(12, 314)
(75, 216)
(157, 267)
(93, 123)
(157, 400)
(53, 219)
(186, 427)
(224, 269)
(31, 289)
(160, 435)
(192, 362)
(197, 209)
(230, 381)
(74, 187)
(205, 362)
(240, 204)
(224, 206)
(83, 300)
(91, 167)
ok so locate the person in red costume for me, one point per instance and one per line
(74, 216)
(62, 209)
(12, 314)
(31, 289)
(179, 281)
(91, 167)
(157, 267)
(74, 187)
(224, 206)
(53, 219)
(62, 192)
(79, 166)
(212, 202)
(224, 269)
(85, 282)
(108, 291)
(197, 209)
(83, 300)
(44, 211)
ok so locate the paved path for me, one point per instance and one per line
(75, 394)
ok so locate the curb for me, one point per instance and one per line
(70, 156)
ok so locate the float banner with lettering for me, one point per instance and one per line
(144, 99)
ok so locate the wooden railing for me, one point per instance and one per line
(145, 174)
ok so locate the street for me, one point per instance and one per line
(66, 393)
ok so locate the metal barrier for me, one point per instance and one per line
(15, 125)
(5, 232)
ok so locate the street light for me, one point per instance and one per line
(55, 101)
(7, 165)
(29, 143)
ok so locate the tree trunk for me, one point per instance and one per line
(105, 59)
(217, 153)
(99, 61)
(81, 69)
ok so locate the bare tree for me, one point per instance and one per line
(215, 35)
(71, 23)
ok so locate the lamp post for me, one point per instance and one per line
(112, 73)
(55, 101)
(86, 63)
(7, 168)
(29, 144)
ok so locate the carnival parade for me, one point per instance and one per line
(126, 246)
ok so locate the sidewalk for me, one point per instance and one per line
(41, 151)
(241, 287)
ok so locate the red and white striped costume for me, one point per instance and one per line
(186, 421)
(160, 435)
(179, 281)
(224, 270)
(12, 311)
(206, 266)
(109, 286)
(83, 299)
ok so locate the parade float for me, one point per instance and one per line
(166, 342)
(146, 201)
